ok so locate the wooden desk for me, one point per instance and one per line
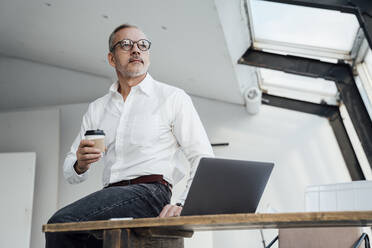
(169, 232)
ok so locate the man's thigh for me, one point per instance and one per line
(137, 201)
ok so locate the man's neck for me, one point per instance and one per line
(126, 83)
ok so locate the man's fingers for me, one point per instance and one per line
(84, 143)
(174, 211)
(91, 161)
(89, 157)
(170, 211)
(163, 213)
(85, 164)
(178, 211)
(89, 150)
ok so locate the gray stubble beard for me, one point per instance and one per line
(137, 73)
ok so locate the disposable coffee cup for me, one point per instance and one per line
(98, 137)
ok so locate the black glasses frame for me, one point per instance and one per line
(132, 44)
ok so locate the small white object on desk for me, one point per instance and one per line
(125, 218)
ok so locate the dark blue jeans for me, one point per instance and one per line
(137, 201)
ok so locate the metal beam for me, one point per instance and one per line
(362, 9)
(340, 73)
(332, 113)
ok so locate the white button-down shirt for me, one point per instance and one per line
(143, 133)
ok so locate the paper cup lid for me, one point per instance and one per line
(94, 132)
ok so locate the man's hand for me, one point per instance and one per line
(170, 211)
(86, 155)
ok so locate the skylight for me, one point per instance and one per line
(368, 62)
(364, 81)
(298, 29)
(316, 90)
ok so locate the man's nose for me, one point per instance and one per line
(134, 52)
(135, 49)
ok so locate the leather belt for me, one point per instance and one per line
(142, 179)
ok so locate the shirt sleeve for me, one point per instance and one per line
(68, 167)
(191, 136)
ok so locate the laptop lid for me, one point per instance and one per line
(226, 186)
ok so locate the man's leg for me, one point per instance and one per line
(137, 201)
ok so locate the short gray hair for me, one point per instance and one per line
(112, 35)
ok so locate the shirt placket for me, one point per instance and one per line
(123, 124)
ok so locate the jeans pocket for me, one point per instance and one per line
(159, 190)
(164, 192)
(150, 187)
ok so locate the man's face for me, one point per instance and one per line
(132, 63)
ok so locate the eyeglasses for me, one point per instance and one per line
(127, 45)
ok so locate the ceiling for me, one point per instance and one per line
(189, 47)
(195, 45)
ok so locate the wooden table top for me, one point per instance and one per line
(226, 222)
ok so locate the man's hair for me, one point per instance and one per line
(112, 35)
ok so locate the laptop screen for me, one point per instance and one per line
(226, 186)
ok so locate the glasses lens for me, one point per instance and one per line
(126, 44)
(143, 45)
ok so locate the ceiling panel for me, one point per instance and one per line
(188, 44)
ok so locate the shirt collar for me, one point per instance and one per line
(146, 85)
(114, 87)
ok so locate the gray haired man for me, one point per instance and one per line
(145, 122)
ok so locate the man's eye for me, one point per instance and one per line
(141, 45)
(125, 44)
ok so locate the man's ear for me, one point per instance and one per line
(111, 59)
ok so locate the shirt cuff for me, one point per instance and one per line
(71, 175)
(76, 174)
(181, 199)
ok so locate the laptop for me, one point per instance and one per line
(225, 186)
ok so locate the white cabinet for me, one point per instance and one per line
(350, 196)
(17, 176)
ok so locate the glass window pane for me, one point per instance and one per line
(368, 62)
(298, 87)
(303, 25)
(365, 83)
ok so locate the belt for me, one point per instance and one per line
(142, 179)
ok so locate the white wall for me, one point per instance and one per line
(234, 23)
(26, 83)
(35, 131)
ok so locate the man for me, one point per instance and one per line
(145, 122)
